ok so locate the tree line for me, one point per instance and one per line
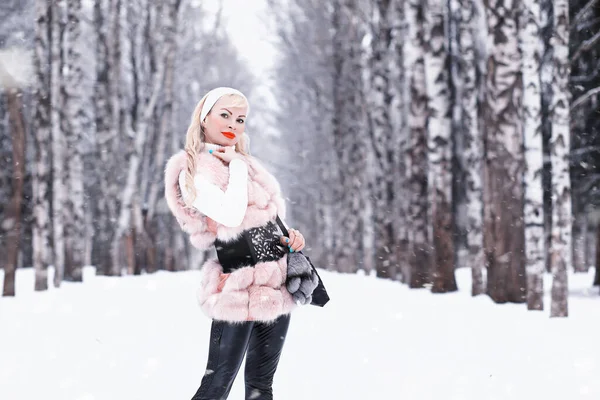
(415, 136)
(447, 134)
(87, 132)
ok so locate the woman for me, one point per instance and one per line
(222, 196)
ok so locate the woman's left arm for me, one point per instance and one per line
(227, 208)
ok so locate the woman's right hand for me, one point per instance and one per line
(227, 154)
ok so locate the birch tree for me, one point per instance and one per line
(546, 72)
(504, 233)
(142, 54)
(165, 130)
(417, 148)
(439, 149)
(381, 138)
(468, 18)
(116, 128)
(400, 106)
(108, 119)
(171, 8)
(561, 184)
(41, 126)
(104, 209)
(530, 43)
(59, 186)
(75, 238)
(348, 128)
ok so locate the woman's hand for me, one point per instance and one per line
(226, 154)
(295, 242)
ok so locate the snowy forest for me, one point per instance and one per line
(412, 137)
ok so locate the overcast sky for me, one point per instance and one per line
(247, 25)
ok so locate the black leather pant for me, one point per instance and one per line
(228, 343)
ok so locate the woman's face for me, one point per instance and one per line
(224, 124)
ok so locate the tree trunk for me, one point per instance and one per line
(41, 120)
(104, 210)
(176, 253)
(115, 94)
(59, 187)
(546, 72)
(399, 119)
(466, 87)
(381, 138)
(5, 160)
(124, 221)
(348, 132)
(75, 238)
(597, 272)
(590, 242)
(580, 230)
(504, 233)
(166, 127)
(534, 200)
(439, 150)
(560, 144)
(12, 220)
(165, 130)
(417, 148)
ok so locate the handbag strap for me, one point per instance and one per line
(282, 227)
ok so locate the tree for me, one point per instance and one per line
(399, 111)
(348, 127)
(75, 224)
(439, 149)
(419, 273)
(165, 45)
(105, 210)
(41, 125)
(534, 198)
(59, 187)
(560, 143)
(584, 85)
(381, 131)
(503, 191)
(467, 15)
(14, 71)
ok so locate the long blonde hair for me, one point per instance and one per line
(195, 140)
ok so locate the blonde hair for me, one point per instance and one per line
(195, 140)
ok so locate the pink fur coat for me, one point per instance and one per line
(255, 293)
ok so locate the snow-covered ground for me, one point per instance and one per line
(145, 338)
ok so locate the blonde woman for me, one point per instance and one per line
(222, 196)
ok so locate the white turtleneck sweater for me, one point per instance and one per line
(227, 208)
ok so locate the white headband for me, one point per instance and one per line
(215, 95)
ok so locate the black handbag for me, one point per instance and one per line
(319, 295)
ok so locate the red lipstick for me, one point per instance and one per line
(229, 135)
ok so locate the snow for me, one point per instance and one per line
(145, 338)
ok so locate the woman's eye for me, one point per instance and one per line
(225, 115)
(240, 121)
